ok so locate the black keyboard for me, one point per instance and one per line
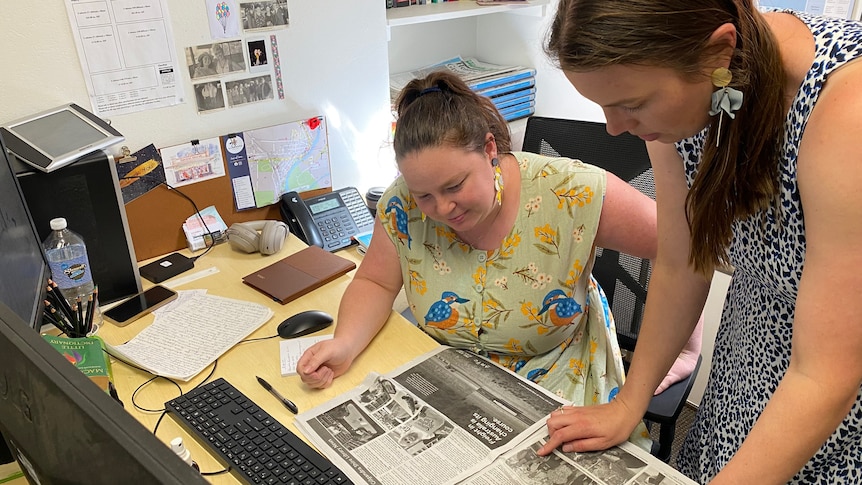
(257, 448)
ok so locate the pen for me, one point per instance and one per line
(287, 402)
(91, 300)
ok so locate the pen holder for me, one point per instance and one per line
(78, 317)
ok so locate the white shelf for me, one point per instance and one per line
(431, 12)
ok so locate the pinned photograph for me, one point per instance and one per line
(266, 14)
(209, 96)
(215, 59)
(258, 58)
(249, 90)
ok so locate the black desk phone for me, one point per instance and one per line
(329, 220)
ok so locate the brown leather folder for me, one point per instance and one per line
(298, 274)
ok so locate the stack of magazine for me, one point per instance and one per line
(511, 88)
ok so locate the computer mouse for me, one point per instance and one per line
(304, 323)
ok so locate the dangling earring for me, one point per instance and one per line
(725, 99)
(498, 181)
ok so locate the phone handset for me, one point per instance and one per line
(298, 217)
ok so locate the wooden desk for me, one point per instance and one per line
(396, 344)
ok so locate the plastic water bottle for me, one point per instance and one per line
(67, 257)
(180, 449)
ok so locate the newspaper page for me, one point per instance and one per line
(435, 420)
(450, 417)
(625, 464)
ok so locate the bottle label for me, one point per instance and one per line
(71, 273)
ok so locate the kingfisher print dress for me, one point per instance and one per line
(531, 305)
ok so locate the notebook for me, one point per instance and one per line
(298, 274)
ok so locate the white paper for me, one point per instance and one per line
(127, 54)
(292, 349)
(223, 16)
(181, 342)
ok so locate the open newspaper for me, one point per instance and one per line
(454, 417)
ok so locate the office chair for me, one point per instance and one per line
(624, 278)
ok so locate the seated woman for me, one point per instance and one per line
(494, 250)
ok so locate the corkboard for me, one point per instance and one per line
(156, 218)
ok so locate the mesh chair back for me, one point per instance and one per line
(623, 277)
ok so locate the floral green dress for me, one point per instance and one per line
(531, 305)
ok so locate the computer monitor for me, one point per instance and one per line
(59, 425)
(23, 269)
(63, 429)
(57, 137)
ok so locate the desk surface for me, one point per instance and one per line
(396, 344)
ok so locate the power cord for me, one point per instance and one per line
(207, 231)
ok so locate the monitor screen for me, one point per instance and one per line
(23, 269)
(56, 132)
(57, 137)
(62, 428)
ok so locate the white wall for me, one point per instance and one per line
(333, 58)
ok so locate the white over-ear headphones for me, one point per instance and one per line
(244, 236)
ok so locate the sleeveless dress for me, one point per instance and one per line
(752, 348)
(531, 305)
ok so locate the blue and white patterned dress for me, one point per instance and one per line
(752, 348)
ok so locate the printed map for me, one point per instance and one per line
(289, 157)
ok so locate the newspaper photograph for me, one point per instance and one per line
(625, 464)
(452, 416)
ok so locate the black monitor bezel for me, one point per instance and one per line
(35, 316)
(62, 428)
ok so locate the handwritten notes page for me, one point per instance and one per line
(292, 349)
(184, 341)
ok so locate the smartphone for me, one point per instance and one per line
(139, 305)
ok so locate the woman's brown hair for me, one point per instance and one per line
(739, 176)
(440, 109)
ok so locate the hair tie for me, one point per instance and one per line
(432, 89)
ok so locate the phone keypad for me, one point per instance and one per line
(338, 225)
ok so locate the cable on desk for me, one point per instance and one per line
(256, 339)
(151, 379)
(197, 211)
(135, 404)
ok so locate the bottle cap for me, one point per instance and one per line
(180, 449)
(58, 223)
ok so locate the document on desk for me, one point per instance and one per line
(290, 350)
(181, 343)
(454, 417)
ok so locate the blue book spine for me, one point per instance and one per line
(514, 101)
(519, 114)
(516, 94)
(509, 77)
(518, 107)
(508, 88)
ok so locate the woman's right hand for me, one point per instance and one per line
(323, 362)
(589, 428)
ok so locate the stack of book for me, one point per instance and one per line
(512, 89)
(407, 3)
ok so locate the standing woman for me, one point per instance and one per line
(754, 122)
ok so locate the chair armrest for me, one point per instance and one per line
(667, 405)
